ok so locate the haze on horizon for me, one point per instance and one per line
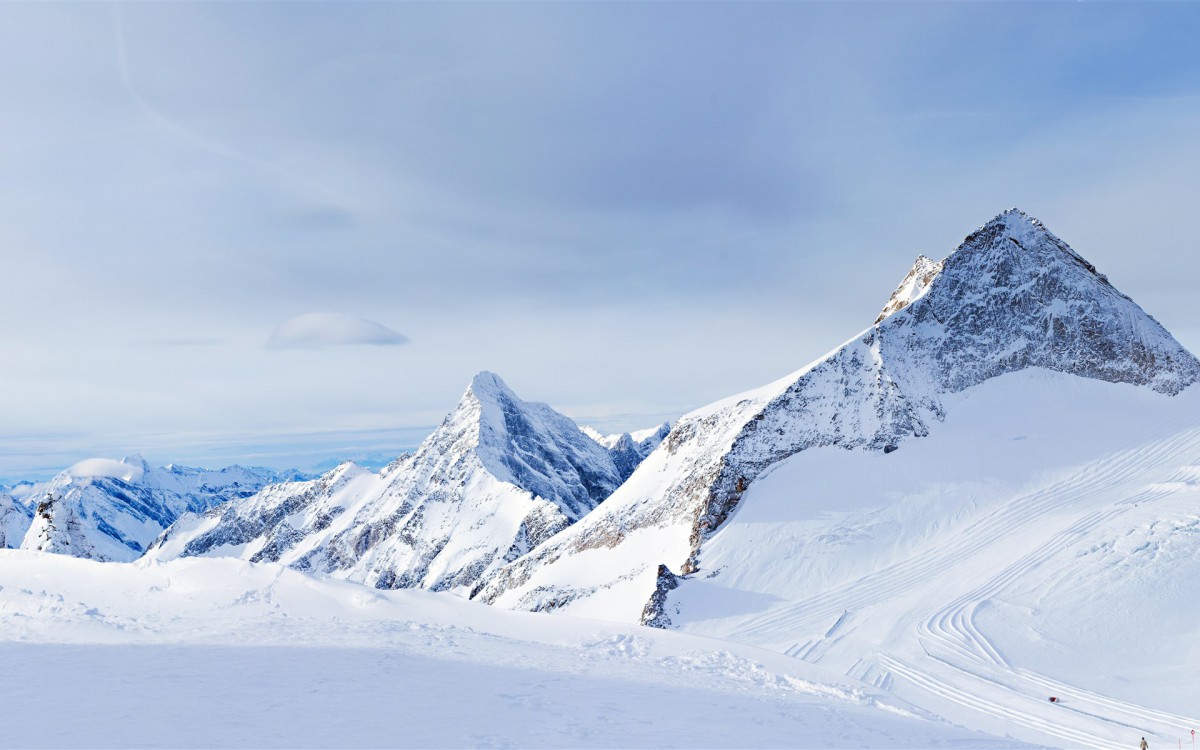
(279, 234)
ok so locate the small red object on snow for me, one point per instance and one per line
(1053, 699)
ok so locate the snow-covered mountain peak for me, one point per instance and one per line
(346, 469)
(1016, 223)
(629, 449)
(138, 460)
(480, 419)
(490, 386)
(988, 250)
(112, 510)
(1012, 295)
(1015, 235)
(1015, 217)
(1011, 245)
(527, 444)
(496, 478)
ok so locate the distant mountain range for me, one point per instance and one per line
(112, 510)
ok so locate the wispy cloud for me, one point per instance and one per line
(320, 330)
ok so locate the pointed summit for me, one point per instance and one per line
(488, 384)
(1014, 232)
(1015, 217)
(496, 478)
(1012, 296)
(531, 446)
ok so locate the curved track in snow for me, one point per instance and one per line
(948, 659)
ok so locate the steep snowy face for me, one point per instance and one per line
(533, 447)
(112, 510)
(1010, 297)
(499, 476)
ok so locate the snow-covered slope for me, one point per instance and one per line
(1043, 541)
(1010, 298)
(499, 476)
(112, 510)
(284, 660)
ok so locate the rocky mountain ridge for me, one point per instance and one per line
(1012, 296)
(513, 504)
(497, 478)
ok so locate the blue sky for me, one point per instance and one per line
(627, 210)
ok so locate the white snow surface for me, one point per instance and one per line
(224, 653)
(1043, 541)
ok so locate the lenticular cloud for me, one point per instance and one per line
(319, 330)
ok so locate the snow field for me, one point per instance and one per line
(977, 581)
(218, 652)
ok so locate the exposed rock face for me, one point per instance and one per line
(655, 614)
(497, 478)
(913, 287)
(1010, 297)
(112, 510)
(1014, 296)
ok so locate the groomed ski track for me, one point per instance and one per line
(938, 657)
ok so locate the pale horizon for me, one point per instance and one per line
(240, 235)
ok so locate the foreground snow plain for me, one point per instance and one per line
(219, 652)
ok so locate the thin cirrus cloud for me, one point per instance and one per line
(322, 330)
